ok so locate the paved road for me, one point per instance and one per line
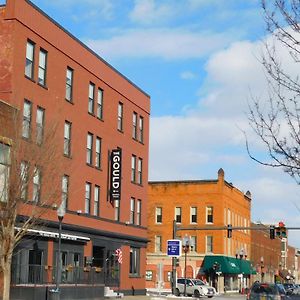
(170, 297)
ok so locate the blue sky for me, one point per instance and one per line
(199, 61)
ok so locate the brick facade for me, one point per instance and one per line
(22, 23)
(229, 206)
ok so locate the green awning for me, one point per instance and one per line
(227, 265)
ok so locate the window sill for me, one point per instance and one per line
(134, 276)
(29, 78)
(69, 101)
(121, 131)
(100, 119)
(68, 156)
(89, 165)
(91, 114)
(43, 86)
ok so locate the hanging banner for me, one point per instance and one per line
(115, 175)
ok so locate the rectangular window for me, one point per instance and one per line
(24, 178)
(67, 138)
(98, 152)
(117, 210)
(209, 244)
(141, 129)
(69, 84)
(120, 116)
(194, 243)
(133, 168)
(158, 243)
(178, 214)
(140, 171)
(88, 190)
(158, 212)
(209, 214)
(134, 125)
(96, 200)
(134, 262)
(4, 171)
(64, 191)
(139, 212)
(100, 104)
(29, 64)
(193, 214)
(40, 115)
(42, 67)
(36, 191)
(91, 98)
(132, 210)
(89, 149)
(26, 129)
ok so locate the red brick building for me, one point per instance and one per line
(200, 203)
(48, 74)
(273, 259)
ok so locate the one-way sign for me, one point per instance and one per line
(174, 248)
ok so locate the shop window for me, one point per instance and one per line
(134, 261)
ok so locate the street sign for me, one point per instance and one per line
(174, 248)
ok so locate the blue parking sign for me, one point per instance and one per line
(174, 248)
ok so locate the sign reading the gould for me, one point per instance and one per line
(115, 177)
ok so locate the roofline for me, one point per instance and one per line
(85, 46)
(184, 181)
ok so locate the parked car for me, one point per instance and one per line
(289, 287)
(194, 287)
(267, 291)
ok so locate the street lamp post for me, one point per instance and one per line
(262, 266)
(186, 246)
(60, 215)
(241, 254)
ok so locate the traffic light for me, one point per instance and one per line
(272, 232)
(177, 261)
(229, 231)
(282, 229)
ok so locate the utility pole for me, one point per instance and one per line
(174, 262)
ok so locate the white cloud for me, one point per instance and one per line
(151, 12)
(191, 145)
(163, 43)
(187, 75)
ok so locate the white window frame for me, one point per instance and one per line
(158, 213)
(209, 244)
(40, 120)
(27, 115)
(132, 210)
(96, 200)
(194, 212)
(120, 116)
(67, 138)
(98, 152)
(69, 84)
(91, 98)
(209, 209)
(88, 196)
(42, 71)
(100, 104)
(89, 148)
(29, 63)
(178, 209)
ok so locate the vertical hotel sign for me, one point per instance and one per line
(115, 175)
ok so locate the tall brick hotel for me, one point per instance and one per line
(46, 72)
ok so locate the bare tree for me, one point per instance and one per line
(277, 120)
(30, 170)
